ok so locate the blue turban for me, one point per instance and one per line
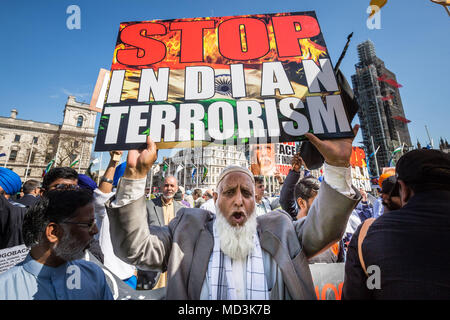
(10, 181)
(86, 183)
(120, 170)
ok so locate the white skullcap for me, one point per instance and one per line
(234, 168)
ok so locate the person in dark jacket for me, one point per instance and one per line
(405, 251)
(31, 190)
(11, 213)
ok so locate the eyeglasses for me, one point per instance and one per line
(89, 225)
(64, 186)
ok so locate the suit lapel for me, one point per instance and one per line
(272, 245)
(159, 211)
(200, 260)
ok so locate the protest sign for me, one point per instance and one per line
(360, 172)
(262, 159)
(226, 80)
(9, 257)
(286, 151)
(328, 279)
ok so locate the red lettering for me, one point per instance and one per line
(192, 39)
(317, 292)
(147, 50)
(340, 286)
(289, 29)
(357, 157)
(254, 32)
(326, 287)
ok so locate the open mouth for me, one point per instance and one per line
(238, 217)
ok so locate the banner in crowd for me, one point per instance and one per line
(262, 159)
(360, 172)
(328, 280)
(223, 80)
(286, 151)
(9, 257)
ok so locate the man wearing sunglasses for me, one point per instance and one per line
(58, 229)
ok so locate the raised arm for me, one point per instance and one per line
(105, 185)
(132, 240)
(329, 213)
(287, 199)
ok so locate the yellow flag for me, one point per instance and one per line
(378, 3)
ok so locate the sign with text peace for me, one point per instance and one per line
(227, 80)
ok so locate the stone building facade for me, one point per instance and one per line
(30, 145)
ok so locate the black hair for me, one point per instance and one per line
(197, 192)
(306, 188)
(30, 185)
(178, 195)
(57, 206)
(58, 173)
(259, 179)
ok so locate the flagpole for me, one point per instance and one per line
(82, 150)
(344, 51)
(29, 159)
(375, 157)
(7, 157)
(431, 140)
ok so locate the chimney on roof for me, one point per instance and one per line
(14, 113)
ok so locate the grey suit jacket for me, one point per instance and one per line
(155, 217)
(184, 246)
(155, 214)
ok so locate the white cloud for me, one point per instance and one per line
(76, 94)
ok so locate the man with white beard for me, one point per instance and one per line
(233, 254)
(58, 229)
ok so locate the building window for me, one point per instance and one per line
(80, 122)
(48, 157)
(17, 138)
(75, 144)
(35, 139)
(13, 155)
(27, 172)
(32, 155)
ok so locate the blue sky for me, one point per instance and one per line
(42, 61)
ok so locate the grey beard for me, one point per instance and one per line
(69, 248)
(236, 241)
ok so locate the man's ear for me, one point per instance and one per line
(301, 203)
(53, 232)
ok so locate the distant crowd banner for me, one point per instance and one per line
(262, 159)
(263, 78)
(9, 257)
(286, 151)
(328, 279)
(360, 172)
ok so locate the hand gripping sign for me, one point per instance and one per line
(223, 80)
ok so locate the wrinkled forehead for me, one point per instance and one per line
(236, 179)
(170, 180)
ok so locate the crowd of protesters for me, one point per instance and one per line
(230, 242)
